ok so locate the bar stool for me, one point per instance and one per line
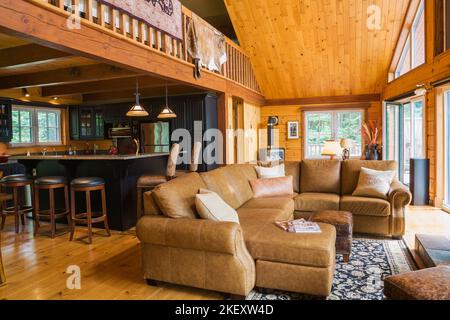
(17, 183)
(88, 218)
(51, 184)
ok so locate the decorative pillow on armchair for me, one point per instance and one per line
(273, 187)
(373, 183)
(211, 206)
(270, 172)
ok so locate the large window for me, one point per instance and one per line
(36, 126)
(412, 52)
(404, 137)
(447, 150)
(332, 125)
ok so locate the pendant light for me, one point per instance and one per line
(137, 110)
(166, 112)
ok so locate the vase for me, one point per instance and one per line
(372, 154)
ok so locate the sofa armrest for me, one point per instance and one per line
(194, 234)
(399, 195)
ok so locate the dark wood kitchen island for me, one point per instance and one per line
(120, 172)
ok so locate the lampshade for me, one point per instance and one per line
(166, 112)
(332, 148)
(137, 110)
(346, 143)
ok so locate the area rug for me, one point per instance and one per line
(362, 278)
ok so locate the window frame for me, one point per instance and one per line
(334, 127)
(446, 200)
(405, 39)
(35, 126)
(400, 132)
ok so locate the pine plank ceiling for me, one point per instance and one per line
(314, 48)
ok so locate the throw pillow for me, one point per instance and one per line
(270, 172)
(273, 187)
(373, 183)
(211, 206)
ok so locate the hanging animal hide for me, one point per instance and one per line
(206, 45)
(164, 15)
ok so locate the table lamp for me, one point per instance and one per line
(332, 149)
(346, 145)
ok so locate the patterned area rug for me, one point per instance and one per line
(362, 278)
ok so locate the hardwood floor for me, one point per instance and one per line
(110, 267)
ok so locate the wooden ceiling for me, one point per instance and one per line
(314, 48)
(47, 73)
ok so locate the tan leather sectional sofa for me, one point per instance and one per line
(234, 258)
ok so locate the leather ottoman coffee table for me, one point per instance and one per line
(426, 284)
(343, 222)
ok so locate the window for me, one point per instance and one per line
(404, 136)
(442, 26)
(332, 125)
(447, 150)
(413, 49)
(36, 126)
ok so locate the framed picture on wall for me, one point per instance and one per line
(292, 129)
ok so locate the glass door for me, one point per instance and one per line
(447, 150)
(404, 134)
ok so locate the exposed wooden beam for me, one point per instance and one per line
(64, 76)
(128, 95)
(29, 54)
(103, 86)
(325, 100)
(45, 26)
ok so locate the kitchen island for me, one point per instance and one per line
(120, 173)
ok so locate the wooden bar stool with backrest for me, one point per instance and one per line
(51, 184)
(88, 185)
(149, 182)
(17, 183)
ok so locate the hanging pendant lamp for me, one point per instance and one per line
(137, 110)
(166, 112)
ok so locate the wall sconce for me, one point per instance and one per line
(422, 89)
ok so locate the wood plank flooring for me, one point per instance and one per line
(111, 267)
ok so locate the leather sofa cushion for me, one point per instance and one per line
(230, 183)
(252, 220)
(365, 206)
(352, 168)
(292, 168)
(150, 205)
(176, 198)
(270, 243)
(248, 170)
(286, 205)
(309, 202)
(272, 187)
(320, 176)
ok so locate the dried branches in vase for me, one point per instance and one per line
(370, 133)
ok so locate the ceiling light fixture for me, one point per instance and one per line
(25, 93)
(137, 110)
(55, 98)
(166, 112)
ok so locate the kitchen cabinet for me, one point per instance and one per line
(87, 123)
(5, 122)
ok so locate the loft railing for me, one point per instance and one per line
(237, 68)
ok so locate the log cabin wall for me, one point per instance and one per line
(435, 69)
(285, 114)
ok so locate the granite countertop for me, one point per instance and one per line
(89, 157)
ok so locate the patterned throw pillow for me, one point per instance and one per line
(373, 183)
